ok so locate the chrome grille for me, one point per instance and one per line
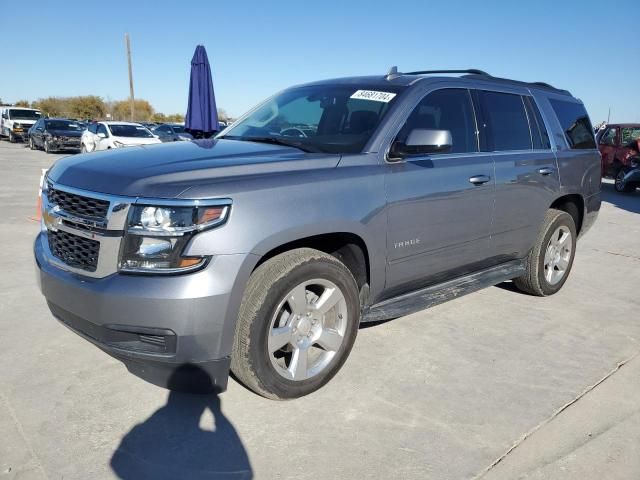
(74, 204)
(75, 251)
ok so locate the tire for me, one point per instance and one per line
(47, 148)
(12, 139)
(620, 186)
(83, 148)
(270, 303)
(32, 146)
(547, 268)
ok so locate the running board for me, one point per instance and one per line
(428, 297)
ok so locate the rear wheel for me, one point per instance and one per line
(297, 323)
(551, 258)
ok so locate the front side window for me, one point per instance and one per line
(448, 109)
(630, 134)
(135, 131)
(575, 124)
(318, 118)
(609, 137)
(102, 129)
(507, 126)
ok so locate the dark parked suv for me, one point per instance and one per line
(262, 251)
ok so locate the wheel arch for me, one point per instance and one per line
(574, 205)
(350, 248)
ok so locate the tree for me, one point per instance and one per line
(22, 103)
(222, 115)
(143, 110)
(52, 106)
(90, 106)
(175, 118)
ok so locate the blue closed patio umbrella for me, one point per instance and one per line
(202, 116)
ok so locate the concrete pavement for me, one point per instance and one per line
(441, 394)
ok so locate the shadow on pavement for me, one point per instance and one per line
(171, 444)
(625, 201)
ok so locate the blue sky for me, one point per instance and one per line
(256, 48)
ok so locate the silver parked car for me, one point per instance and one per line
(263, 250)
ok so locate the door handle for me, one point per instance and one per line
(545, 171)
(479, 179)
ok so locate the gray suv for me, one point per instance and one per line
(330, 204)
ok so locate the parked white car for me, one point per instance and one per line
(106, 135)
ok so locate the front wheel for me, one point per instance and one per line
(47, 147)
(32, 146)
(297, 323)
(620, 185)
(551, 258)
(12, 138)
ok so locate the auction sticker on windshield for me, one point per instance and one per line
(384, 97)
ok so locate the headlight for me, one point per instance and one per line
(157, 236)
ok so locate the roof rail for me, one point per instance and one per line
(519, 82)
(473, 71)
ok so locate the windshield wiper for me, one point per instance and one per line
(274, 141)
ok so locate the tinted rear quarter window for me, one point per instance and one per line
(575, 124)
(506, 121)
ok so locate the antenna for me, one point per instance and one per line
(392, 73)
(128, 43)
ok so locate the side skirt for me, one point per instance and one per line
(430, 296)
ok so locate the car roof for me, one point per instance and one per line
(114, 122)
(393, 77)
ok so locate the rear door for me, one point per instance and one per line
(438, 219)
(526, 174)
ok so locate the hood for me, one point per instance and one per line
(168, 170)
(65, 133)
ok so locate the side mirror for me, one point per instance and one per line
(421, 141)
(102, 135)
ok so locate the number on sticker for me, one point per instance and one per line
(374, 96)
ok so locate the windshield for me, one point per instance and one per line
(130, 131)
(63, 125)
(18, 114)
(322, 118)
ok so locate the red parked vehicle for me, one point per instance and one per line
(613, 145)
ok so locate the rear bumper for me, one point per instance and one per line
(158, 326)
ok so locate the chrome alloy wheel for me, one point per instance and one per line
(558, 255)
(307, 329)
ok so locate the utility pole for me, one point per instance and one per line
(609, 116)
(131, 99)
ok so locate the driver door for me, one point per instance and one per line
(439, 205)
(101, 143)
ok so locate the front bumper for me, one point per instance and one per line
(163, 328)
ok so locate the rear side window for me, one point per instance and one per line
(507, 127)
(575, 124)
(539, 134)
(447, 109)
(630, 134)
